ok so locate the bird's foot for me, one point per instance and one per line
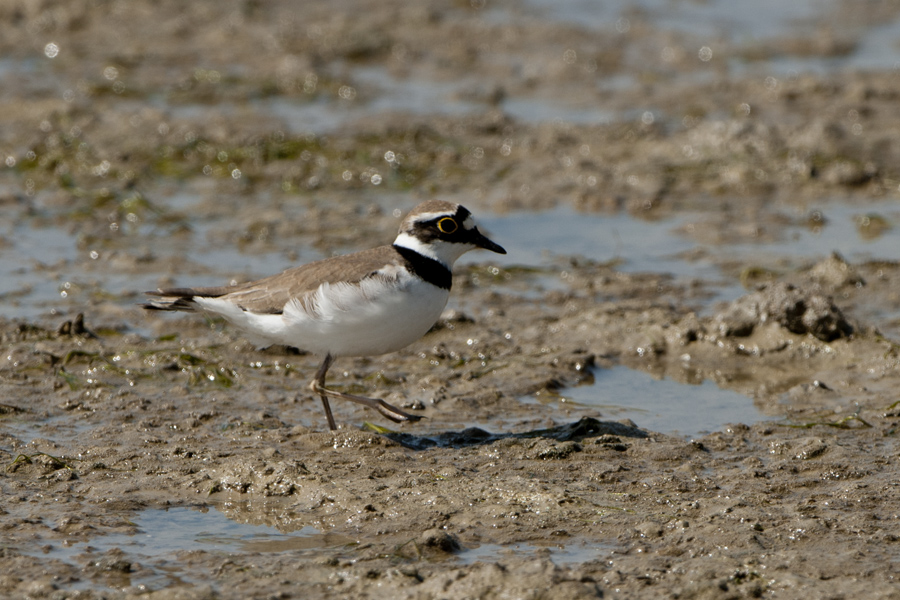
(387, 410)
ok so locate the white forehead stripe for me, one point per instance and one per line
(469, 223)
(423, 217)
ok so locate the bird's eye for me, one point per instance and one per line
(447, 225)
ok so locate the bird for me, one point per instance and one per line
(367, 303)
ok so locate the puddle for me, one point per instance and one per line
(536, 238)
(738, 22)
(30, 264)
(533, 110)
(659, 247)
(656, 246)
(163, 534)
(841, 233)
(560, 555)
(662, 405)
(63, 428)
(760, 19)
(421, 96)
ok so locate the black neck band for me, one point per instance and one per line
(432, 271)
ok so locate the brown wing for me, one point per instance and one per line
(270, 294)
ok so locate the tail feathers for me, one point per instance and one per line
(170, 303)
(181, 298)
(172, 299)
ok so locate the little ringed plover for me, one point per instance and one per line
(362, 304)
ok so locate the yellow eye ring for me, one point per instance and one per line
(447, 225)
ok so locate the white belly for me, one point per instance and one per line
(346, 320)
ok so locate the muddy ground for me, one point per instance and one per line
(105, 416)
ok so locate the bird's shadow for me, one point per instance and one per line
(586, 427)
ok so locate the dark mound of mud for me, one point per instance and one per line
(797, 310)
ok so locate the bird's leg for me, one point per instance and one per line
(318, 386)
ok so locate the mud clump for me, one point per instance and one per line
(441, 541)
(799, 311)
(836, 272)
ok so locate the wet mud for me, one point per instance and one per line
(160, 152)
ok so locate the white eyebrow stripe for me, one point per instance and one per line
(422, 218)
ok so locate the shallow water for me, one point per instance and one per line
(663, 405)
(658, 246)
(417, 96)
(843, 232)
(738, 22)
(661, 246)
(537, 238)
(164, 533)
(713, 17)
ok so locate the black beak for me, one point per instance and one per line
(482, 242)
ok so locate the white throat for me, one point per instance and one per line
(445, 253)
